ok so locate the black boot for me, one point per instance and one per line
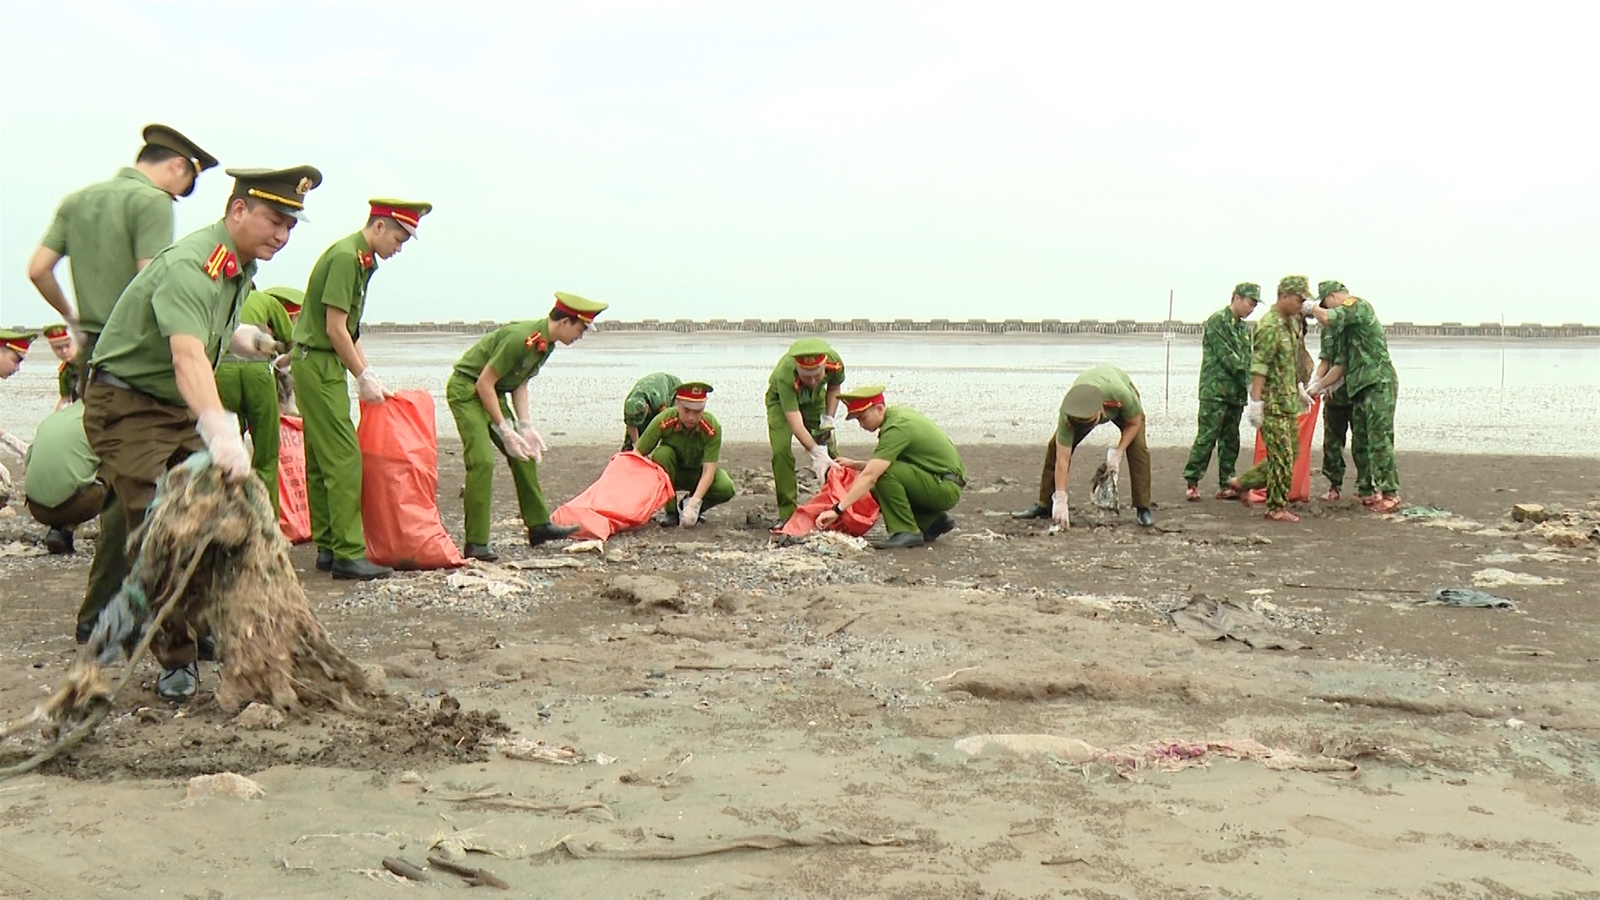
(667, 518)
(945, 524)
(58, 541)
(357, 570)
(900, 541)
(540, 534)
(324, 560)
(1036, 511)
(479, 551)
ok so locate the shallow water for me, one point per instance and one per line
(993, 388)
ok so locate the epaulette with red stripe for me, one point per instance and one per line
(831, 366)
(221, 263)
(537, 342)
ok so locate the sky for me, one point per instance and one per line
(866, 159)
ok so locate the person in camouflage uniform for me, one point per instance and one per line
(1224, 387)
(1361, 359)
(1275, 396)
(650, 395)
(1336, 418)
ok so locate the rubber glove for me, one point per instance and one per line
(220, 431)
(1307, 307)
(689, 513)
(821, 462)
(369, 387)
(1254, 412)
(516, 445)
(1059, 510)
(536, 444)
(251, 342)
(1314, 386)
(1114, 460)
(1305, 399)
(825, 424)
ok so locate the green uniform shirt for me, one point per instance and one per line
(695, 447)
(339, 279)
(67, 380)
(785, 391)
(910, 437)
(176, 294)
(264, 310)
(1121, 401)
(1359, 345)
(59, 460)
(650, 395)
(1276, 350)
(1225, 358)
(104, 230)
(516, 351)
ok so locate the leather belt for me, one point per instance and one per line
(110, 380)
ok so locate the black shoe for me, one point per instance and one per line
(667, 518)
(84, 630)
(206, 649)
(58, 541)
(945, 524)
(539, 534)
(324, 560)
(899, 541)
(357, 570)
(479, 551)
(1036, 511)
(1144, 517)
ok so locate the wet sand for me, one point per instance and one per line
(797, 692)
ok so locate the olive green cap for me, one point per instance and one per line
(809, 347)
(1248, 289)
(172, 139)
(579, 307)
(1295, 284)
(291, 298)
(283, 189)
(861, 398)
(407, 212)
(1328, 287)
(1083, 401)
(17, 340)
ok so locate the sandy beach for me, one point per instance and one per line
(699, 691)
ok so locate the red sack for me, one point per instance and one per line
(400, 484)
(1300, 486)
(626, 495)
(857, 520)
(294, 511)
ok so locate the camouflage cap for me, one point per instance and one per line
(1248, 289)
(1327, 287)
(1295, 284)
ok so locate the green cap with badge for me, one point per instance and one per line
(1083, 401)
(283, 189)
(1296, 285)
(17, 340)
(408, 213)
(581, 308)
(858, 400)
(172, 139)
(291, 299)
(1249, 290)
(1328, 287)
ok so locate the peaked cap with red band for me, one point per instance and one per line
(858, 400)
(581, 308)
(810, 355)
(17, 340)
(291, 299)
(57, 335)
(692, 394)
(407, 212)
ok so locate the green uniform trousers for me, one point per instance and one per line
(911, 498)
(687, 478)
(785, 483)
(1136, 462)
(1219, 428)
(1336, 423)
(1372, 420)
(251, 390)
(479, 441)
(1276, 472)
(333, 456)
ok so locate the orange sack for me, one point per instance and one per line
(626, 495)
(294, 511)
(1300, 485)
(400, 484)
(857, 520)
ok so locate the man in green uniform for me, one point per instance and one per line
(112, 229)
(650, 395)
(1361, 359)
(802, 396)
(68, 373)
(1335, 414)
(1275, 396)
(686, 442)
(64, 489)
(248, 387)
(499, 364)
(13, 350)
(327, 340)
(915, 473)
(1103, 393)
(152, 398)
(1224, 384)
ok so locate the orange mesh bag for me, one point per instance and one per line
(1300, 485)
(400, 485)
(857, 520)
(294, 511)
(626, 495)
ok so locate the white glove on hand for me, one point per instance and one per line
(1114, 459)
(1305, 399)
(536, 445)
(689, 513)
(825, 423)
(1254, 412)
(516, 445)
(220, 430)
(369, 387)
(821, 462)
(250, 342)
(1314, 387)
(1059, 510)
(15, 443)
(1308, 306)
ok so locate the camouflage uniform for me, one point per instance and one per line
(1276, 357)
(1335, 424)
(1369, 376)
(1224, 387)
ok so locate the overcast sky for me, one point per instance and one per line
(883, 160)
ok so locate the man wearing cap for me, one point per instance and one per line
(1361, 360)
(1100, 394)
(1275, 395)
(67, 374)
(64, 489)
(1336, 416)
(112, 229)
(915, 473)
(686, 442)
(328, 347)
(1224, 386)
(650, 395)
(802, 396)
(248, 387)
(152, 398)
(498, 365)
(13, 350)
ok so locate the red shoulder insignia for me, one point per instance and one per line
(366, 259)
(230, 267)
(537, 342)
(670, 422)
(706, 427)
(217, 261)
(831, 366)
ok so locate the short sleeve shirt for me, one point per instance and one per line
(516, 351)
(60, 462)
(1274, 358)
(1121, 403)
(787, 393)
(338, 280)
(104, 230)
(910, 437)
(650, 395)
(67, 380)
(187, 289)
(694, 446)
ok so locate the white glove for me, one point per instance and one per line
(15, 443)
(1314, 387)
(536, 445)
(1059, 510)
(1114, 459)
(516, 446)
(1254, 412)
(281, 362)
(369, 387)
(1308, 306)
(689, 513)
(251, 342)
(821, 462)
(1305, 399)
(220, 430)
(825, 424)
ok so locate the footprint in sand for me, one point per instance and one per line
(1319, 826)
